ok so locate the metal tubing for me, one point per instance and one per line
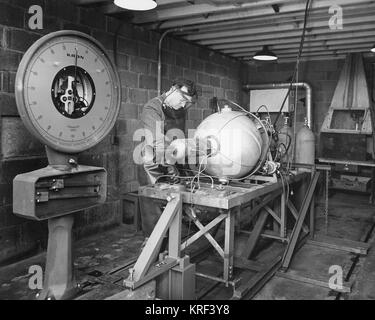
(229, 246)
(159, 55)
(304, 85)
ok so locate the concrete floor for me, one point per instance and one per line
(97, 254)
(364, 286)
(349, 217)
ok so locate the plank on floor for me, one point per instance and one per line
(340, 244)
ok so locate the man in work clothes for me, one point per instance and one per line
(161, 115)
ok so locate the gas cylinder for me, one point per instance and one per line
(285, 141)
(305, 146)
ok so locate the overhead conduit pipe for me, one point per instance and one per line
(159, 54)
(303, 85)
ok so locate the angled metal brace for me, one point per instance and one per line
(171, 213)
(253, 239)
(273, 214)
(294, 212)
(301, 218)
(203, 231)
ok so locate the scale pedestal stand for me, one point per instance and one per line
(56, 193)
(59, 280)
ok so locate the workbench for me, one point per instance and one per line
(228, 200)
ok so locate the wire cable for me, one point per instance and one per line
(308, 3)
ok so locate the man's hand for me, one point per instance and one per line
(173, 173)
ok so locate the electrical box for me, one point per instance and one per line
(48, 192)
(272, 99)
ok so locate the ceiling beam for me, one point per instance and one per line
(308, 38)
(204, 9)
(287, 59)
(316, 52)
(178, 17)
(89, 2)
(207, 23)
(297, 17)
(364, 47)
(253, 63)
(277, 28)
(324, 44)
(269, 18)
(159, 2)
(280, 35)
(317, 57)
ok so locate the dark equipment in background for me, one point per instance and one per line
(346, 139)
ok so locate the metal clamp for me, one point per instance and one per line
(161, 263)
(170, 198)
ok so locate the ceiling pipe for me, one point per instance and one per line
(286, 85)
(159, 54)
(218, 3)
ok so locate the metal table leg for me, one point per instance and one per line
(229, 245)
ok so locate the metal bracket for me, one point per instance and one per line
(57, 184)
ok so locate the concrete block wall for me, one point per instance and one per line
(136, 61)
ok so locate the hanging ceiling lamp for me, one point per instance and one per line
(265, 55)
(373, 48)
(141, 5)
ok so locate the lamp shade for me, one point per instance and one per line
(265, 55)
(141, 5)
(373, 48)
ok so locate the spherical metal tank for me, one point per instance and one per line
(236, 144)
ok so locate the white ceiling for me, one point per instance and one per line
(239, 28)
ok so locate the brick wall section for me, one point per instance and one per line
(136, 60)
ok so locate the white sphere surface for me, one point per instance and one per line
(237, 144)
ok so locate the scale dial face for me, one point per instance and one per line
(68, 92)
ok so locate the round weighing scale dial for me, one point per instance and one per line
(68, 91)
